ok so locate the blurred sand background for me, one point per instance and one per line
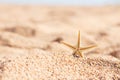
(30, 42)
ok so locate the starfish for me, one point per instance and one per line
(77, 51)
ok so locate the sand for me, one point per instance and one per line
(30, 47)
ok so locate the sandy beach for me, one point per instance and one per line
(30, 47)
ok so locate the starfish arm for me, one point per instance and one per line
(80, 54)
(89, 47)
(78, 44)
(74, 53)
(68, 45)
